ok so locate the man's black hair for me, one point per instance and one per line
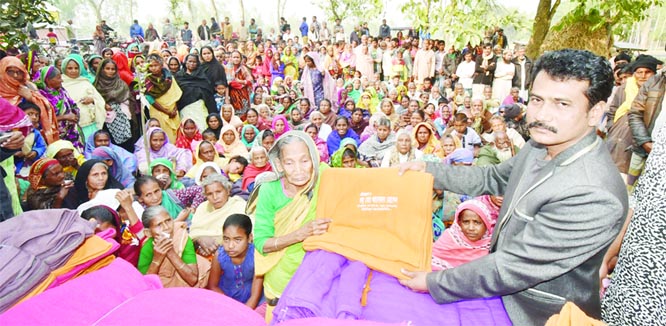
(582, 65)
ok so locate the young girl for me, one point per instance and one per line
(467, 239)
(233, 274)
(209, 135)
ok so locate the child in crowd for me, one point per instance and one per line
(232, 271)
(34, 145)
(220, 95)
(234, 170)
(210, 136)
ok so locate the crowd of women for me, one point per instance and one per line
(214, 153)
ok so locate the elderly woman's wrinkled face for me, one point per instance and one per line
(296, 163)
(227, 111)
(249, 135)
(207, 152)
(102, 139)
(151, 194)
(317, 120)
(252, 117)
(228, 137)
(216, 194)
(448, 145)
(502, 141)
(163, 176)
(404, 143)
(324, 107)
(97, 177)
(161, 225)
(66, 158)
(422, 135)
(259, 158)
(383, 132)
(191, 63)
(54, 176)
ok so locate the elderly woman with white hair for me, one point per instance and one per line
(317, 118)
(168, 251)
(208, 219)
(402, 152)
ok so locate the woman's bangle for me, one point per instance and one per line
(275, 245)
(154, 262)
(181, 265)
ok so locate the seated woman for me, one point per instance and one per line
(425, 140)
(236, 254)
(313, 131)
(148, 192)
(69, 157)
(168, 251)
(75, 79)
(141, 143)
(296, 118)
(402, 152)
(285, 211)
(207, 222)
(341, 132)
(214, 123)
(248, 135)
(266, 139)
(105, 209)
(93, 176)
(449, 144)
(347, 155)
(34, 146)
(47, 185)
(357, 123)
(161, 148)
(255, 120)
(280, 126)
(229, 117)
(317, 118)
(231, 142)
(162, 170)
(103, 138)
(258, 165)
(467, 239)
(187, 134)
(375, 148)
(205, 153)
(116, 93)
(67, 111)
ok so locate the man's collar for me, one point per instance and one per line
(574, 152)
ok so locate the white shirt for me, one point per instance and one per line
(465, 72)
(324, 131)
(386, 161)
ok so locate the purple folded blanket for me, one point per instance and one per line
(328, 285)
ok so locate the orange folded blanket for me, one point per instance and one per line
(379, 218)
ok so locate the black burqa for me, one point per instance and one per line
(195, 86)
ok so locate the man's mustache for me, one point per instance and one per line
(539, 124)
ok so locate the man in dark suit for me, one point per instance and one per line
(564, 201)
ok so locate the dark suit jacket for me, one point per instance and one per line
(553, 231)
(485, 76)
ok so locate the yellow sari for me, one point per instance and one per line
(168, 101)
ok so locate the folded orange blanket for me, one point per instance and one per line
(379, 218)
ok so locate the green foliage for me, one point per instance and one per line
(343, 9)
(14, 18)
(618, 15)
(462, 21)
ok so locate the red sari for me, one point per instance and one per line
(186, 143)
(239, 90)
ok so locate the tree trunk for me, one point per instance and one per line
(216, 15)
(97, 7)
(242, 7)
(541, 26)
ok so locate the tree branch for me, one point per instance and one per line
(552, 11)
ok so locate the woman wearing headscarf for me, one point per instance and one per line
(276, 66)
(162, 92)
(313, 131)
(32, 64)
(124, 71)
(159, 147)
(93, 64)
(69, 157)
(214, 123)
(16, 87)
(93, 176)
(380, 142)
(240, 85)
(67, 112)
(117, 168)
(197, 100)
(117, 96)
(188, 132)
(14, 119)
(173, 64)
(290, 63)
(347, 62)
(75, 79)
(47, 188)
(342, 131)
(229, 117)
(402, 152)
(212, 68)
(347, 155)
(204, 153)
(258, 165)
(280, 126)
(466, 239)
(102, 138)
(162, 169)
(245, 134)
(424, 139)
(285, 214)
(317, 81)
(230, 140)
